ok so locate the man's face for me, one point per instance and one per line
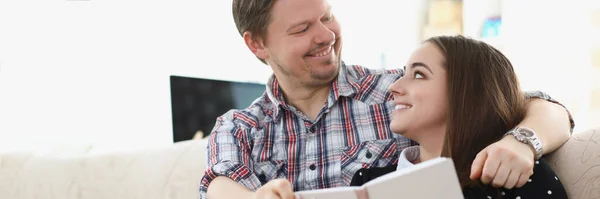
(303, 42)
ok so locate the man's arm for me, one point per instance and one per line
(223, 187)
(508, 163)
(229, 173)
(228, 156)
(550, 121)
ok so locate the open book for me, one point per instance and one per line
(431, 179)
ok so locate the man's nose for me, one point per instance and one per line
(324, 35)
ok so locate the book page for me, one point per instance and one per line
(432, 179)
(405, 171)
(331, 193)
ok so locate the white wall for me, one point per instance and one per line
(78, 73)
(380, 33)
(548, 43)
(97, 72)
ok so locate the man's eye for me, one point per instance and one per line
(303, 30)
(329, 18)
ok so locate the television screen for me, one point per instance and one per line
(196, 103)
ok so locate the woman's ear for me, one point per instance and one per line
(255, 45)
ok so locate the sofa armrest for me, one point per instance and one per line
(577, 164)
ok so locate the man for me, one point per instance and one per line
(320, 121)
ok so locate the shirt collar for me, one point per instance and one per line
(344, 85)
(407, 157)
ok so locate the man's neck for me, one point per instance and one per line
(308, 100)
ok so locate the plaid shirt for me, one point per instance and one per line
(271, 139)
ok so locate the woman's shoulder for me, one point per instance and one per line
(542, 184)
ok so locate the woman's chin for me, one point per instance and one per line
(397, 129)
(401, 130)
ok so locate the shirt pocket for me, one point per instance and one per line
(269, 155)
(368, 154)
(270, 169)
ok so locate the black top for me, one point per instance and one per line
(542, 184)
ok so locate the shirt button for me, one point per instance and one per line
(312, 129)
(369, 155)
(262, 178)
(312, 167)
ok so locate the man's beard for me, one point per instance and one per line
(317, 78)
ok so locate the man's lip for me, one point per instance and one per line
(322, 49)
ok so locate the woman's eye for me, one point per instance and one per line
(418, 75)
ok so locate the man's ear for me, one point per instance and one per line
(255, 45)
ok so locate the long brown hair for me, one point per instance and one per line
(485, 100)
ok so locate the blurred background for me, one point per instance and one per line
(113, 75)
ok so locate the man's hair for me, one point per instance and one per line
(484, 100)
(253, 16)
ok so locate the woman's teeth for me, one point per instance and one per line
(402, 106)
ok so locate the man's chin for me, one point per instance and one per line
(326, 72)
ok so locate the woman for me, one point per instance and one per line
(458, 96)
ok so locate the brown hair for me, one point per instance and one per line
(253, 16)
(484, 98)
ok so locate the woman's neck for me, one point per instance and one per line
(431, 144)
(428, 153)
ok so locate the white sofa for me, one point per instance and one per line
(175, 172)
(172, 173)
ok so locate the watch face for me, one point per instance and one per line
(525, 132)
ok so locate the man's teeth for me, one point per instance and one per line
(402, 106)
(325, 52)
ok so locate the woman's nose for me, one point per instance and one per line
(397, 87)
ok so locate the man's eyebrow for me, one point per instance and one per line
(420, 64)
(328, 10)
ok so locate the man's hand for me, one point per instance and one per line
(275, 189)
(507, 163)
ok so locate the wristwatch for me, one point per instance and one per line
(527, 136)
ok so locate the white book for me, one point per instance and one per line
(433, 179)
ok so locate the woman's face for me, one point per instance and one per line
(421, 94)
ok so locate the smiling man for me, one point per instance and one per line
(321, 120)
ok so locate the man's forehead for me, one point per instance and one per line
(294, 11)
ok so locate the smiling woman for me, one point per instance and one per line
(459, 96)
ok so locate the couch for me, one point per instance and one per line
(174, 172)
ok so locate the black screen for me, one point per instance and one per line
(196, 103)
